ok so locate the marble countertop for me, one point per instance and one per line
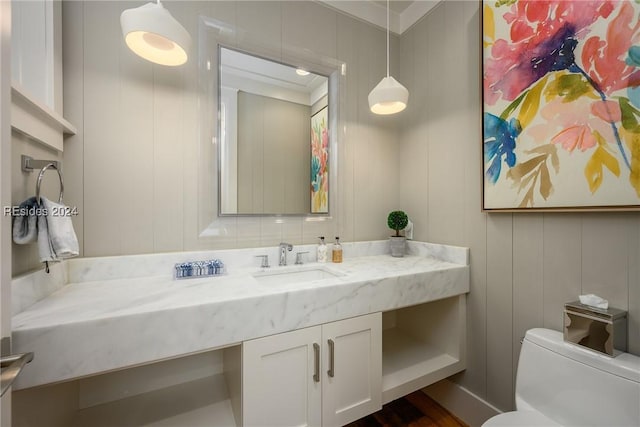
(101, 324)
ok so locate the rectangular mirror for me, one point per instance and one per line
(274, 137)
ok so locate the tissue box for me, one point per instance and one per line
(594, 328)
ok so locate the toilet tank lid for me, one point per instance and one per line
(622, 364)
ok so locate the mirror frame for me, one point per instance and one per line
(332, 76)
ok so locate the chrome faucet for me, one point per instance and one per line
(284, 247)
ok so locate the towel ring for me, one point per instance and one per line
(44, 169)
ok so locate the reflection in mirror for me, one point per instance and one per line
(274, 138)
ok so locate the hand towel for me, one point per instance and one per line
(45, 249)
(56, 238)
(25, 228)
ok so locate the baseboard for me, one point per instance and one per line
(464, 404)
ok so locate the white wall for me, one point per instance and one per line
(524, 267)
(133, 167)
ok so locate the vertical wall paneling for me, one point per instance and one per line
(500, 310)
(475, 223)
(562, 240)
(362, 138)
(144, 164)
(102, 139)
(446, 170)
(437, 132)
(259, 27)
(523, 267)
(634, 285)
(414, 170)
(605, 247)
(528, 276)
(347, 52)
(308, 31)
(134, 143)
(168, 159)
(73, 159)
(376, 150)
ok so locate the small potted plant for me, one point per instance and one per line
(397, 220)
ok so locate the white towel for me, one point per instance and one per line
(25, 229)
(56, 238)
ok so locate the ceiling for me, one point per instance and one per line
(397, 6)
(403, 14)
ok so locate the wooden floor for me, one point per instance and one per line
(414, 410)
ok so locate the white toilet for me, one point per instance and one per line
(559, 383)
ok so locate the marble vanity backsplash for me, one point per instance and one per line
(29, 288)
(32, 287)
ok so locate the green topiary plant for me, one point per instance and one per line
(397, 220)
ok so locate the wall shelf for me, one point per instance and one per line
(37, 121)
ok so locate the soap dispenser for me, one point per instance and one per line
(322, 250)
(336, 254)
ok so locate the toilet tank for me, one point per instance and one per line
(574, 386)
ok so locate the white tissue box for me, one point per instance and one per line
(601, 330)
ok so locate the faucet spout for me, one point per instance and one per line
(284, 247)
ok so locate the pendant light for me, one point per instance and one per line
(389, 96)
(152, 33)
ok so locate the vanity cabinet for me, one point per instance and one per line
(269, 381)
(325, 375)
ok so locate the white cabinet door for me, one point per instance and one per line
(352, 369)
(278, 386)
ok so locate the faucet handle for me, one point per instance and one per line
(265, 261)
(299, 257)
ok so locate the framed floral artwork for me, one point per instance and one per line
(320, 162)
(561, 105)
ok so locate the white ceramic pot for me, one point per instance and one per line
(397, 245)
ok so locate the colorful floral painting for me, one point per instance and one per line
(561, 115)
(320, 162)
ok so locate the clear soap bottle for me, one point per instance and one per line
(322, 250)
(336, 254)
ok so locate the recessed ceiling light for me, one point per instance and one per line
(301, 72)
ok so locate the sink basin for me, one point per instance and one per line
(297, 275)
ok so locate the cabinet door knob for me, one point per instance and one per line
(331, 371)
(316, 362)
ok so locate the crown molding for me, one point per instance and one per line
(376, 14)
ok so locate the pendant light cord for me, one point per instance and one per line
(387, 38)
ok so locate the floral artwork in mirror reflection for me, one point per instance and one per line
(561, 104)
(320, 162)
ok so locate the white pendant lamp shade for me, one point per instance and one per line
(152, 33)
(388, 97)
